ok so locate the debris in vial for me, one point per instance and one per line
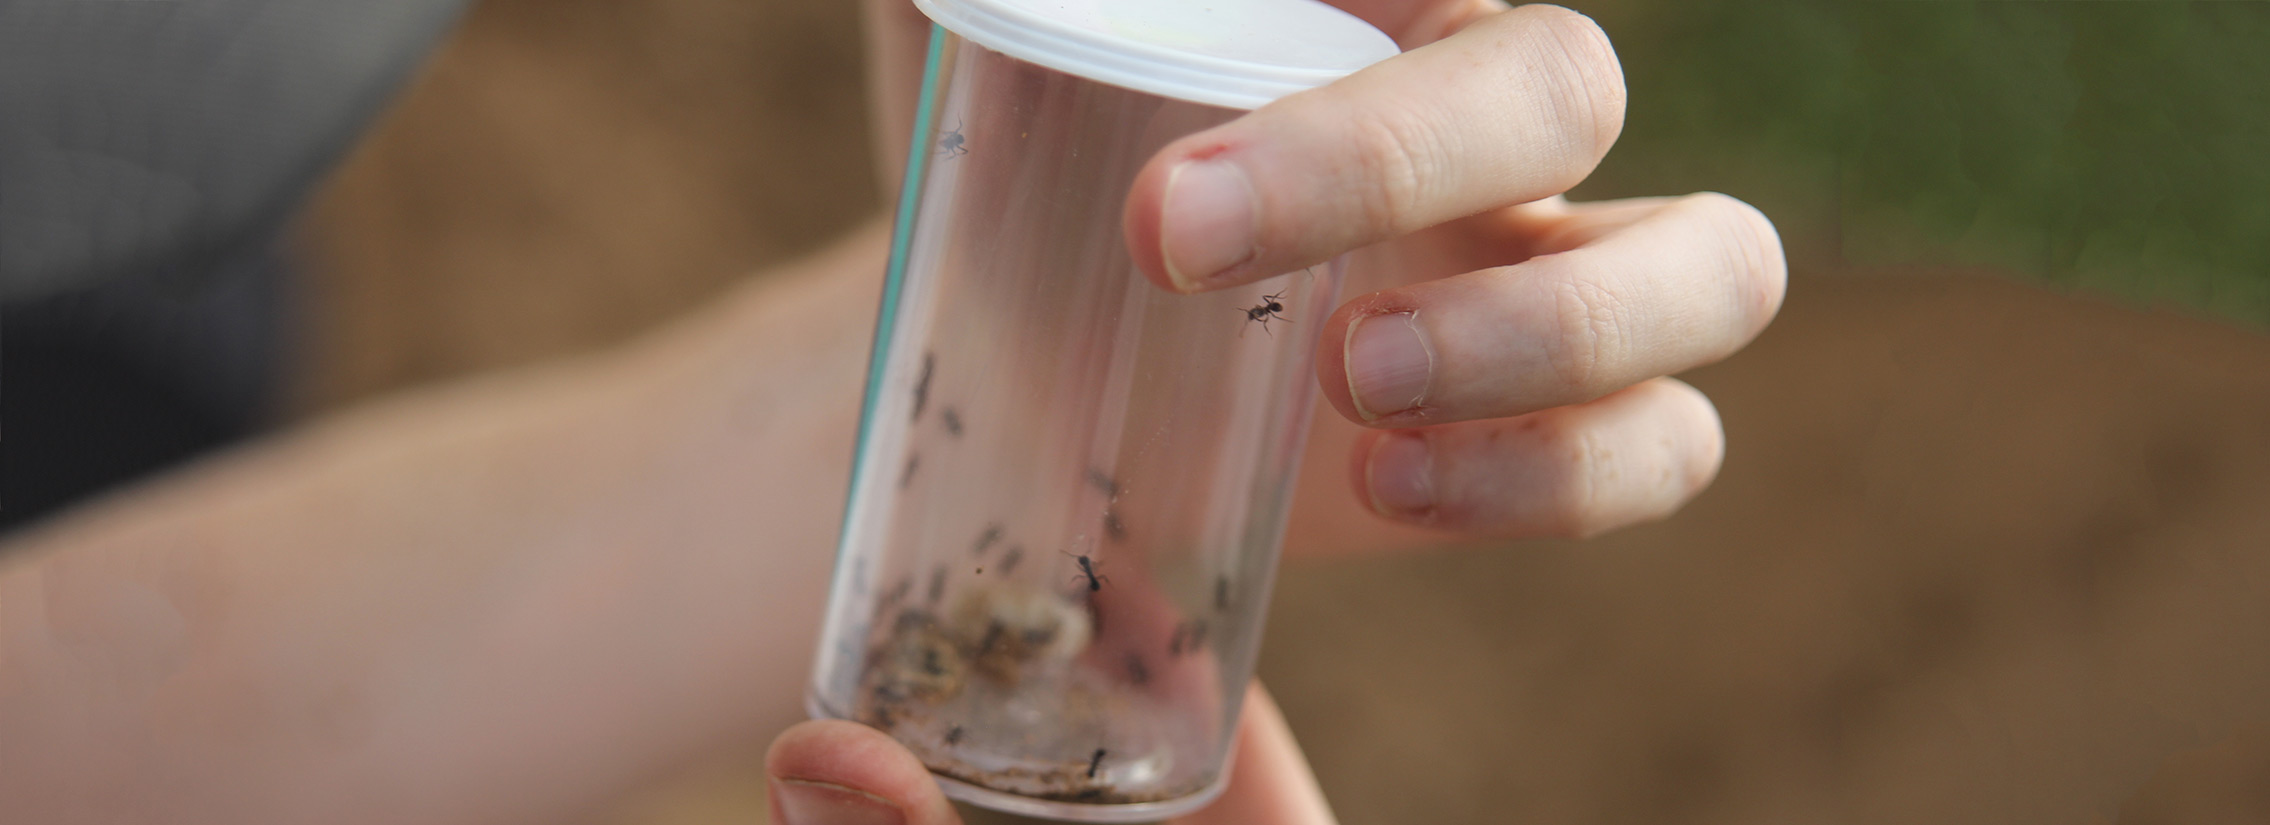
(1113, 527)
(937, 584)
(987, 539)
(954, 735)
(1008, 627)
(907, 477)
(1095, 762)
(1269, 308)
(1222, 593)
(951, 144)
(953, 421)
(922, 384)
(1137, 673)
(1103, 482)
(1009, 562)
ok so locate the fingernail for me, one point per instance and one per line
(1207, 223)
(1401, 475)
(804, 802)
(1389, 364)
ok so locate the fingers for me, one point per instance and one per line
(832, 772)
(1634, 456)
(1514, 107)
(1686, 284)
(1270, 783)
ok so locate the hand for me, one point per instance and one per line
(841, 773)
(1500, 370)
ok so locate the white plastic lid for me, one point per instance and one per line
(1238, 54)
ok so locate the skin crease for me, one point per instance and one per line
(516, 597)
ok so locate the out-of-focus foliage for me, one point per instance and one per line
(2117, 146)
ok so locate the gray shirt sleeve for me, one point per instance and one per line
(158, 136)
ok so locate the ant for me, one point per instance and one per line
(1095, 762)
(1088, 571)
(922, 384)
(951, 145)
(992, 535)
(1271, 307)
(954, 735)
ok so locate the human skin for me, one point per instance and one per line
(1509, 376)
(514, 598)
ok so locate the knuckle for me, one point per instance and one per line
(1396, 154)
(1584, 82)
(1591, 334)
(1573, 506)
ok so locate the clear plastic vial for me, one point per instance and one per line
(1071, 485)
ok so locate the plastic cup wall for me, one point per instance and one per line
(1071, 484)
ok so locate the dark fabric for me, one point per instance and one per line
(150, 152)
(159, 137)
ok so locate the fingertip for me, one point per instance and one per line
(1146, 199)
(831, 771)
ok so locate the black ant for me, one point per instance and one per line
(922, 384)
(954, 735)
(1271, 307)
(1095, 762)
(951, 144)
(1088, 571)
(1103, 482)
(992, 534)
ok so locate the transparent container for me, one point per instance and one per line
(1071, 485)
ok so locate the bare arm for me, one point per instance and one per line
(496, 601)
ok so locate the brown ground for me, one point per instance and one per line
(1980, 553)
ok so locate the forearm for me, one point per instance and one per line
(491, 602)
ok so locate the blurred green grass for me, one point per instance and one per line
(2117, 147)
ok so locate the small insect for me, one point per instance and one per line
(1009, 562)
(987, 539)
(937, 584)
(954, 735)
(1188, 636)
(1113, 527)
(1137, 673)
(1222, 593)
(952, 418)
(951, 144)
(1088, 572)
(906, 477)
(922, 384)
(1270, 308)
(1104, 482)
(1095, 762)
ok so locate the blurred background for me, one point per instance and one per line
(1992, 541)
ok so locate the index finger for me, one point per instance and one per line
(1513, 108)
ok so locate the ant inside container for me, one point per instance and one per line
(1139, 441)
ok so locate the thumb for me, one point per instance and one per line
(832, 772)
